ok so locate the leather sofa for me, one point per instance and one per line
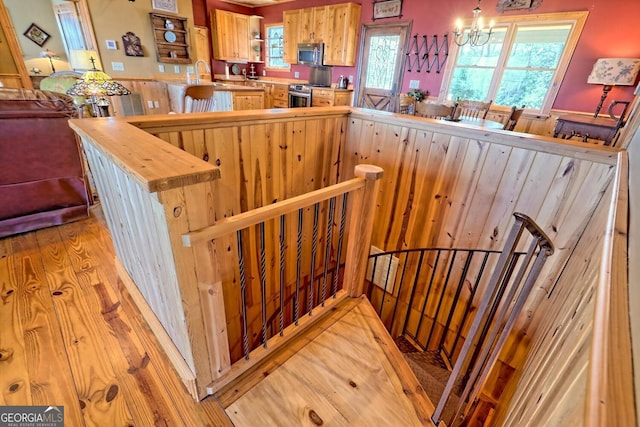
(42, 179)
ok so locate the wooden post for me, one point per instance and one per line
(360, 228)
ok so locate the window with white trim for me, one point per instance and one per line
(274, 49)
(522, 64)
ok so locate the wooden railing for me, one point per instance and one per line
(610, 394)
(251, 226)
(445, 184)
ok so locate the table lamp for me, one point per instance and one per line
(97, 85)
(611, 72)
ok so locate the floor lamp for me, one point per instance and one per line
(611, 72)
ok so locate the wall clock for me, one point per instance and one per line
(505, 5)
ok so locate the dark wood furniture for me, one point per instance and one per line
(585, 127)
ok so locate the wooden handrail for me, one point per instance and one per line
(610, 394)
(256, 216)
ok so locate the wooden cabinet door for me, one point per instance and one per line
(230, 36)
(342, 23)
(311, 26)
(291, 23)
(248, 100)
(241, 23)
(222, 25)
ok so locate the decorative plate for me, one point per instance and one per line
(235, 69)
(170, 36)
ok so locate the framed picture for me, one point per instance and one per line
(506, 5)
(36, 34)
(111, 44)
(165, 5)
(387, 9)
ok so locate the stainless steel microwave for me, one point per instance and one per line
(310, 53)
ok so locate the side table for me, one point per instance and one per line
(585, 127)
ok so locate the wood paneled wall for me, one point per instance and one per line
(444, 184)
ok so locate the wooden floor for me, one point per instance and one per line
(71, 336)
(349, 373)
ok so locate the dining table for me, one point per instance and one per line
(483, 123)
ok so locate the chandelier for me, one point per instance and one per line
(476, 35)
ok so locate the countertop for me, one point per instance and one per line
(273, 80)
(221, 86)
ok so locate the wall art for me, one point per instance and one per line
(387, 9)
(131, 44)
(36, 35)
(165, 5)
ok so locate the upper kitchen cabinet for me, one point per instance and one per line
(340, 41)
(231, 38)
(290, 22)
(311, 28)
(335, 25)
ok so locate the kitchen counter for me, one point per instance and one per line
(177, 88)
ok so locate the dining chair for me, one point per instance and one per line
(433, 110)
(472, 109)
(513, 118)
(406, 104)
(199, 99)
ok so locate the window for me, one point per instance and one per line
(275, 49)
(522, 64)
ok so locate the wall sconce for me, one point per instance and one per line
(610, 72)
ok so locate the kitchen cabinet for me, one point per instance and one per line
(248, 100)
(335, 25)
(311, 27)
(330, 97)
(276, 95)
(230, 36)
(280, 96)
(290, 23)
(340, 41)
(171, 38)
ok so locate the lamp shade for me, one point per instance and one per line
(614, 71)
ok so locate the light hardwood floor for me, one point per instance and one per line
(71, 336)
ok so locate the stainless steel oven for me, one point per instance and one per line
(299, 96)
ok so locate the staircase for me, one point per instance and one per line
(432, 373)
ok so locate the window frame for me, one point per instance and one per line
(575, 19)
(267, 41)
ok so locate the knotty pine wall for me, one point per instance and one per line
(444, 185)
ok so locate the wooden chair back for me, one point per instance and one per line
(199, 99)
(472, 109)
(406, 104)
(433, 110)
(513, 118)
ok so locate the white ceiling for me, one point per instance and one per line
(256, 3)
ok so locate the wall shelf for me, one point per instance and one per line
(175, 52)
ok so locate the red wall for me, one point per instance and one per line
(611, 30)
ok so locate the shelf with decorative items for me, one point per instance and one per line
(255, 40)
(171, 38)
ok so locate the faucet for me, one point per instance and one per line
(206, 67)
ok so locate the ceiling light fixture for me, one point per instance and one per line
(475, 35)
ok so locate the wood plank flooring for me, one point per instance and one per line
(351, 374)
(71, 336)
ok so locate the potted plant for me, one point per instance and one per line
(417, 94)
